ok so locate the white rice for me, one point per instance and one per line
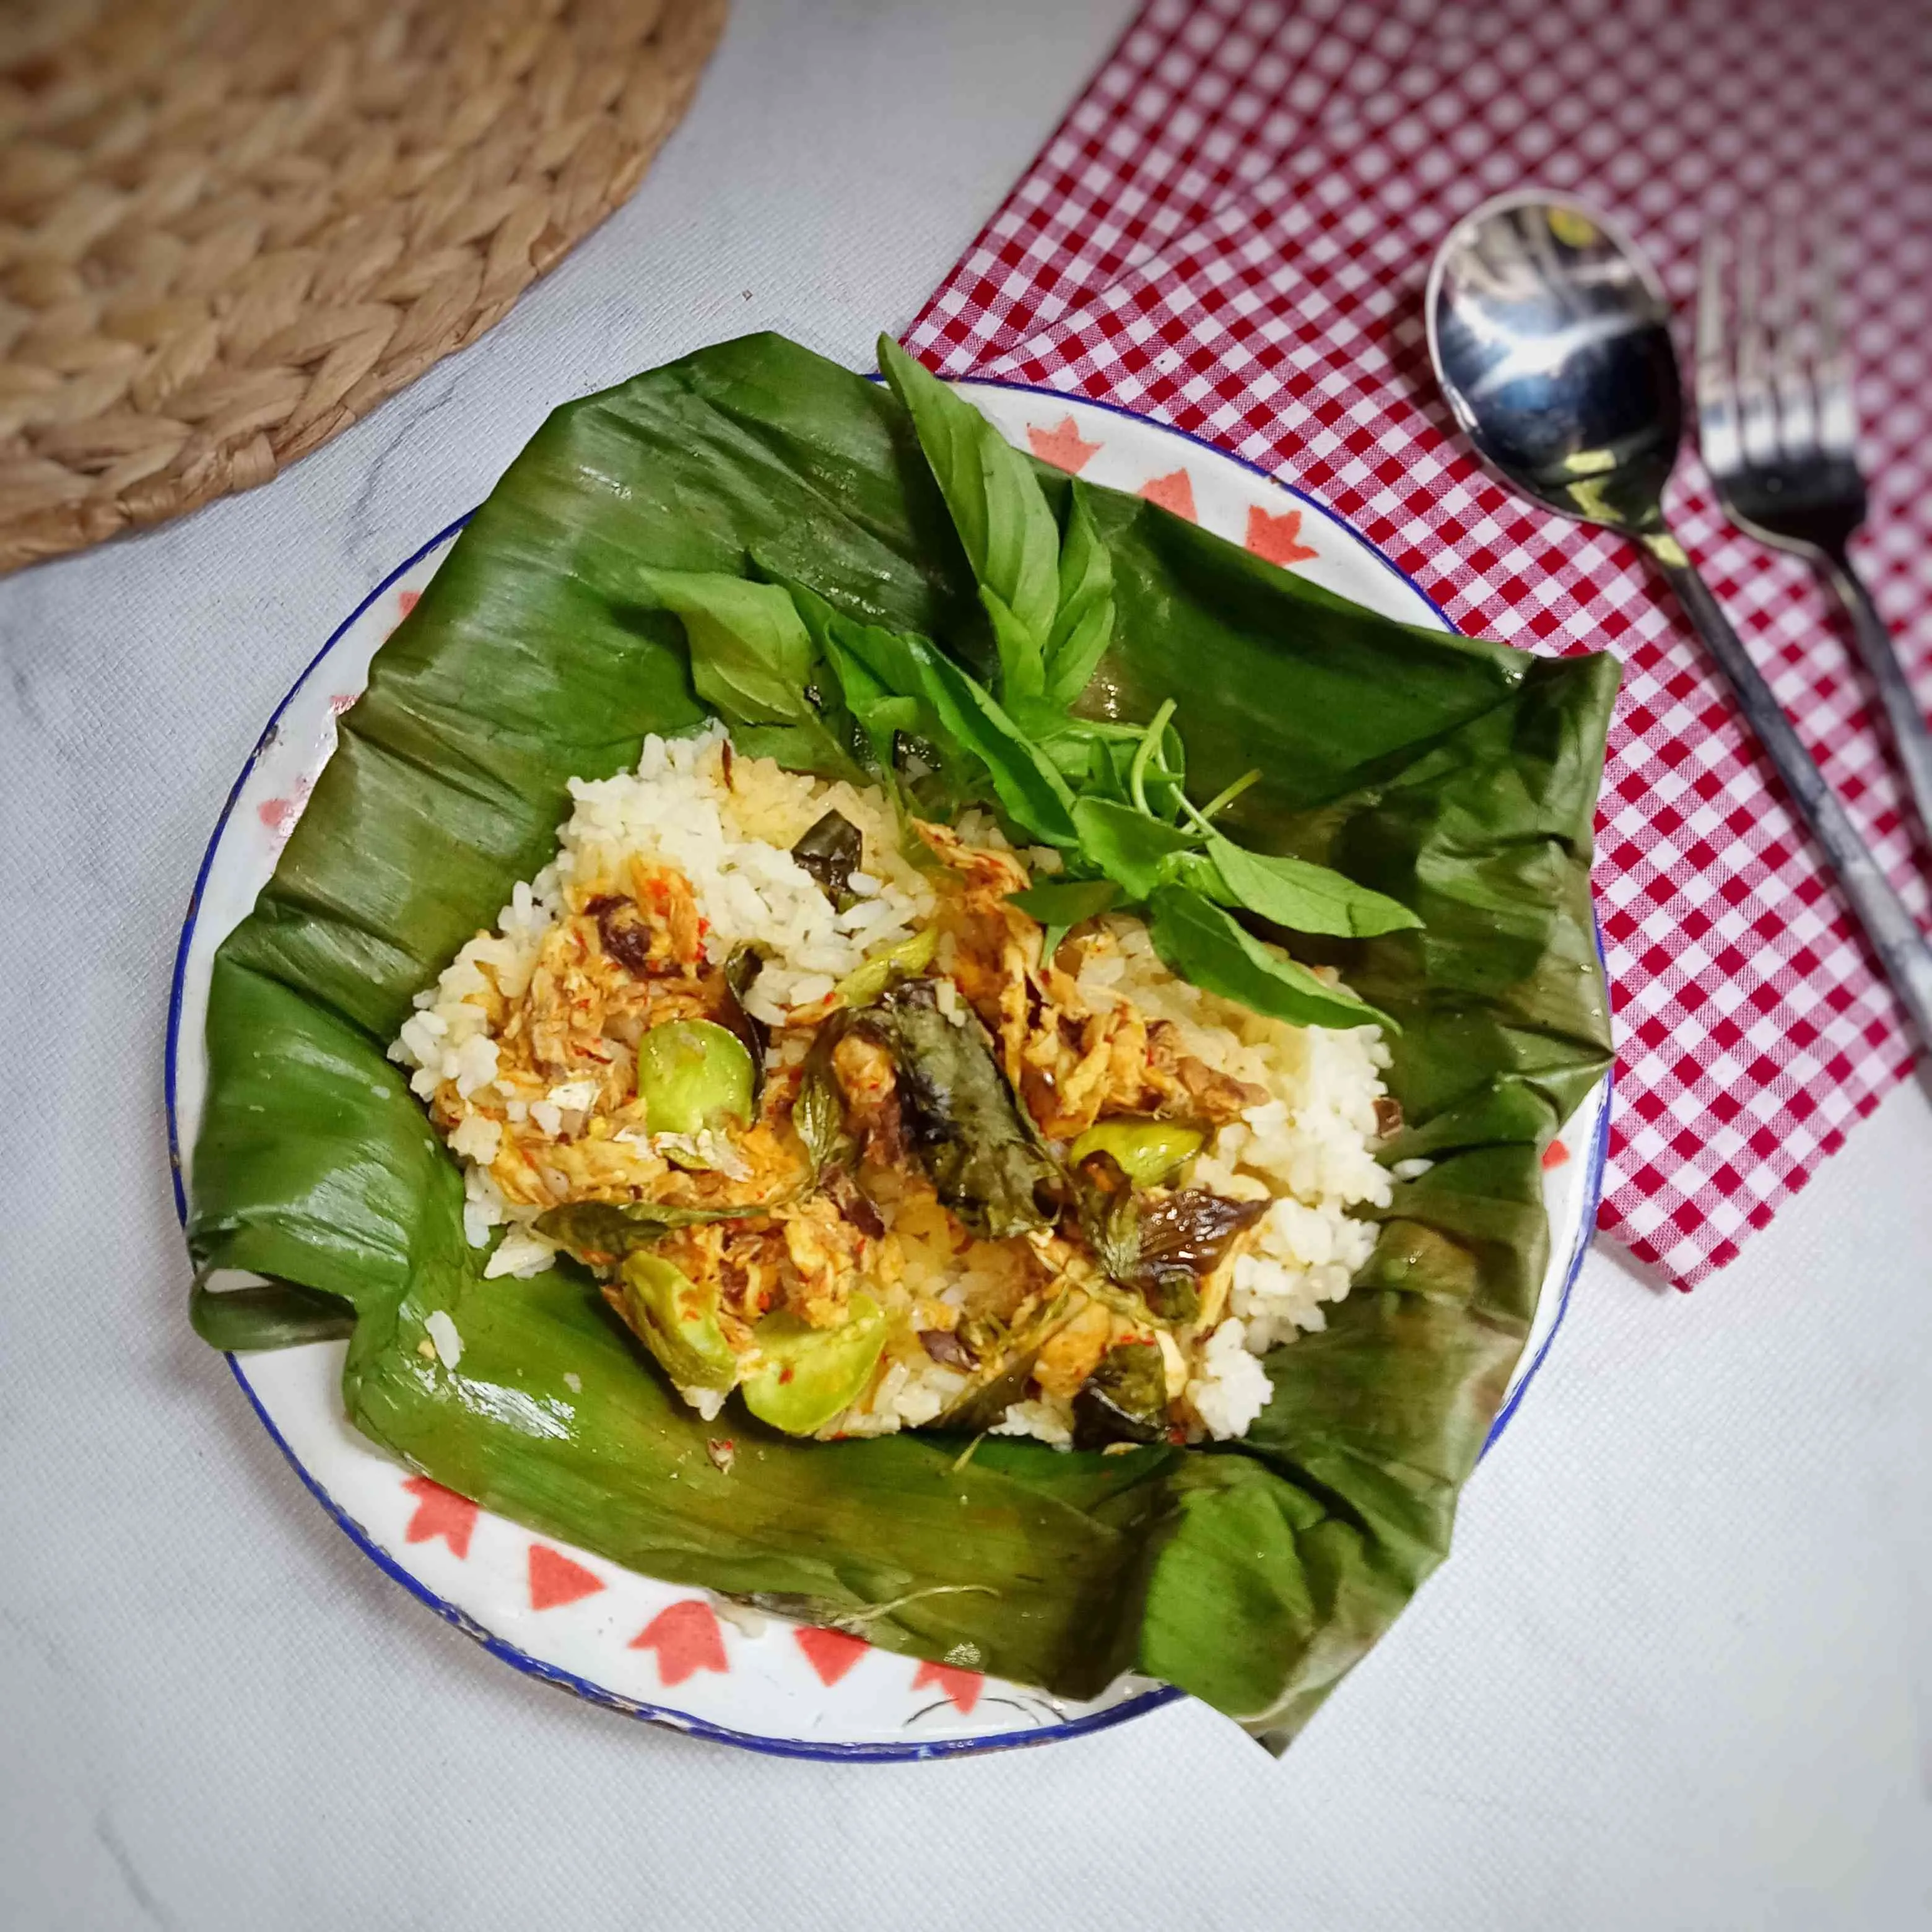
(1308, 1147)
(733, 842)
(444, 1337)
(1229, 1387)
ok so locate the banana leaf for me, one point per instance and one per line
(1459, 776)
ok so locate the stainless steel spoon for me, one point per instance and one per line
(1551, 338)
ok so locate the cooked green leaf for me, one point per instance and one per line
(974, 1139)
(983, 1404)
(1294, 893)
(596, 1228)
(1160, 1245)
(1123, 1400)
(741, 969)
(818, 1113)
(1109, 1214)
(831, 848)
(1196, 939)
(1184, 1236)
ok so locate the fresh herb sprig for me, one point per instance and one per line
(800, 682)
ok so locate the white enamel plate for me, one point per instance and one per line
(659, 1650)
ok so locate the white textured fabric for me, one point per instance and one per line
(1672, 1677)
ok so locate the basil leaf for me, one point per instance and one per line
(1109, 1217)
(999, 510)
(1159, 1246)
(881, 715)
(982, 1406)
(878, 715)
(811, 747)
(1097, 756)
(1184, 1237)
(1083, 627)
(1066, 902)
(1293, 892)
(1025, 781)
(1139, 852)
(1123, 1400)
(1050, 599)
(1021, 653)
(1196, 939)
(751, 655)
(1061, 904)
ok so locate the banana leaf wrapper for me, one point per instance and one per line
(1457, 774)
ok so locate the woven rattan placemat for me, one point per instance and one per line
(229, 227)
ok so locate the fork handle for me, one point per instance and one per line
(1890, 928)
(1909, 736)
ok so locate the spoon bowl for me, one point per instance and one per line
(1551, 337)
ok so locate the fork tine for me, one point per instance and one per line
(1790, 373)
(1757, 409)
(1716, 402)
(1838, 426)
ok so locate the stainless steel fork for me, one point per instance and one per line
(1778, 433)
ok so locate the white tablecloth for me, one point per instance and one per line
(1678, 1673)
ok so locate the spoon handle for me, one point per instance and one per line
(1890, 928)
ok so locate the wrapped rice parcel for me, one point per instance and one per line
(848, 990)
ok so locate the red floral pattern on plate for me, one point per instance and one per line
(1277, 537)
(831, 1653)
(556, 1579)
(279, 815)
(962, 1687)
(439, 1512)
(1062, 447)
(1174, 491)
(687, 1639)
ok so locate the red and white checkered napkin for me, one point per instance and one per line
(1230, 233)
